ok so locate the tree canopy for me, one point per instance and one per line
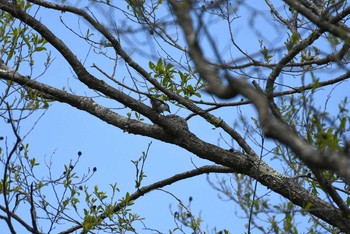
(258, 95)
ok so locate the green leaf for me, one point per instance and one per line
(151, 65)
(159, 66)
(40, 48)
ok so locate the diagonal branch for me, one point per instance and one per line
(99, 85)
(338, 29)
(181, 136)
(296, 49)
(168, 181)
(274, 128)
(83, 75)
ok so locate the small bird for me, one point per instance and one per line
(159, 105)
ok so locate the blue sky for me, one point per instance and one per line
(63, 131)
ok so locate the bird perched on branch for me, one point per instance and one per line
(159, 105)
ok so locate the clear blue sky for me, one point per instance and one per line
(63, 131)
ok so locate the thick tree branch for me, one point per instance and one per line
(88, 105)
(183, 138)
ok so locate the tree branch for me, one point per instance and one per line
(272, 127)
(338, 29)
(207, 71)
(168, 181)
